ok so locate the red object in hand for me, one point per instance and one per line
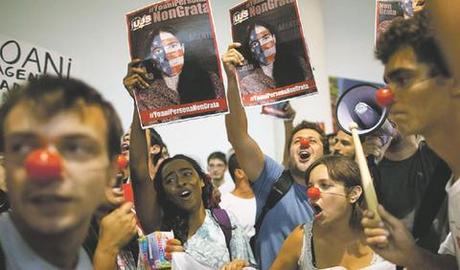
(304, 143)
(313, 193)
(128, 192)
(122, 162)
(384, 97)
(43, 165)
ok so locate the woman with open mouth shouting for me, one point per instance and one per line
(334, 240)
(184, 194)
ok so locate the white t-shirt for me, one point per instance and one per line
(243, 209)
(183, 261)
(452, 243)
(227, 186)
(19, 256)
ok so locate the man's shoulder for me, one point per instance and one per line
(271, 164)
(271, 171)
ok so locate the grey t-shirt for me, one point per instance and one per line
(18, 254)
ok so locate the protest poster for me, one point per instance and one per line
(277, 66)
(388, 10)
(176, 42)
(21, 62)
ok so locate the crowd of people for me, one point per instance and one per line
(65, 160)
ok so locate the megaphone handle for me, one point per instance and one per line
(366, 180)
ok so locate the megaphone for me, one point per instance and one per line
(358, 104)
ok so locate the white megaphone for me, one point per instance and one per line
(358, 104)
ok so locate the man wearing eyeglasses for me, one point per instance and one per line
(426, 102)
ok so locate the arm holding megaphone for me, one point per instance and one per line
(374, 147)
(386, 234)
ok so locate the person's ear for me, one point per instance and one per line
(155, 149)
(206, 178)
(239, 173)
(274, 38)
(354, 194)
(202, 184)
(183, 48)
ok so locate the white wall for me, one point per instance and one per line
(349, 28)
(94, 33)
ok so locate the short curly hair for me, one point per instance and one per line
(416, 33)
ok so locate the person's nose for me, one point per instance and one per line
(336, 147)
(181, 181)
(44, 165)
(304, 143)
(313, 193)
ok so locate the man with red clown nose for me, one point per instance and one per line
(275, 219)
(424, 99)
(61, 142)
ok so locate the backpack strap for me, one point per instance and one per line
(279, 189)
(2, 258)
(221, 216)
(432, 200)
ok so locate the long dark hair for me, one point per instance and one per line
(344, 170)
(287, 68)
(175, 218)
(194, 84)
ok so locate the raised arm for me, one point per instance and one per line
(116, 230)
(145, 196)
(246, 149)
(288, 127)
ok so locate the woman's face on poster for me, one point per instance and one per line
(263, 45)
(168, 53)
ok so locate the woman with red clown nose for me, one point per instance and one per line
(335, 239)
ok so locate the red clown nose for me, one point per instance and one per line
(122, 162)
(43, 166)
(304, 143)
(384, 97)
(313, 193)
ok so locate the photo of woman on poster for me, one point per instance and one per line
(274, 65)
(173, 77)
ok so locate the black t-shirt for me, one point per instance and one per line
(4, 203)
(401, 187)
